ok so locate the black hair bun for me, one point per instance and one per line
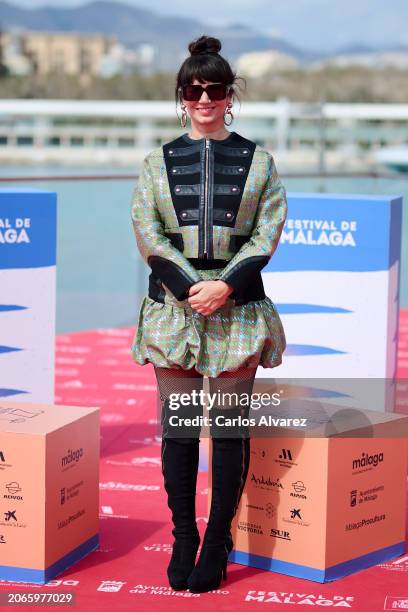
(204, 44)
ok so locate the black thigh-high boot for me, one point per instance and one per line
(247, 456)
(179, 467)
(230, 463)
(180, 457)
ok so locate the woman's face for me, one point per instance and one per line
(207, 112)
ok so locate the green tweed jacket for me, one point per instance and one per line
(208, 205)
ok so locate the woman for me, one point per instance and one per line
(208, 211)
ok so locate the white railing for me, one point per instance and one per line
(124, 131)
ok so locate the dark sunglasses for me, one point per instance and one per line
(215, 91)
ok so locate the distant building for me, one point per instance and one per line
(261, 63)
(11, 55)
(122, 60)
(71, 53)
(147, 54)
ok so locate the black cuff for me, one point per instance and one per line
(172, 275)
(241, 275)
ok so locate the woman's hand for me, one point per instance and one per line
(206, 296)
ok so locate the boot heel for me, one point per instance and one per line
(210, 569)
(229, 543)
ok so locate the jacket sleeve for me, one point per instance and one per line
(166, 262)
(267, 228)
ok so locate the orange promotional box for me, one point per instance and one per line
(324, 504)
(49, 488)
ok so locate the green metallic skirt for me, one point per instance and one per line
(174, 335)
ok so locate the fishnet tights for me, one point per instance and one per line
(228, 386)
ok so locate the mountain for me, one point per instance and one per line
(315, 23)
(133, 26)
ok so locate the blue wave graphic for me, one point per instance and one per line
(308, 308)
(7, 392)
(8, 307)
(310, 349)
(8, 349)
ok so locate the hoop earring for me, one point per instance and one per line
(229, 112)
(183, 120)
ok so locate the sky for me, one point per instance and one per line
(311, 24)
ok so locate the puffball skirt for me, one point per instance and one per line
(174, 335)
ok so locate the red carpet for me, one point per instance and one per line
(129, 571)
